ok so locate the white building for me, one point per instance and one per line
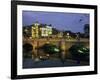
(44, 31)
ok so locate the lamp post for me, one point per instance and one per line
(78, 37)
(68, 37)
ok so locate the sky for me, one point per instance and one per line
(62, 21)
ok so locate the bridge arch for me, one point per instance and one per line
(27, 47)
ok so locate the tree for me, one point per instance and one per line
(27, 31)
(55, 31)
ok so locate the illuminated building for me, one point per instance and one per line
(35, 30)
(44, 31)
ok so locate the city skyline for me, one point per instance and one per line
(62, 21)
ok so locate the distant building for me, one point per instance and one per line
(35, 30)
(86, 30)
(46, 31)
(60, 35)
(41, 31)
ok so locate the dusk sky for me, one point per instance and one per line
(62, 21)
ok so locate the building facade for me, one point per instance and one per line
(44, 31)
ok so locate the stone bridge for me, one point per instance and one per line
(64, 44)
